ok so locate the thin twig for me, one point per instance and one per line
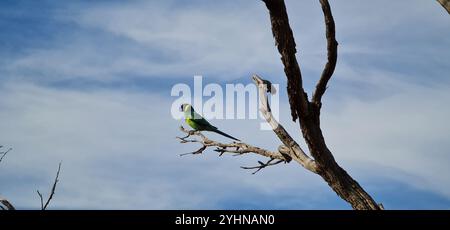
(262, 165)
(42, 199)
(4, 203)
(44, 207)
(199, 151)
(4, 153)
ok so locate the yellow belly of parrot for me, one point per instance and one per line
(191, 123)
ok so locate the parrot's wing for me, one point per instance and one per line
(202, 122)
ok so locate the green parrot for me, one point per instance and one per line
(199, 123)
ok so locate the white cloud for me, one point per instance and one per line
(406, 131)
(222, 39)
(118, 147)
(164, 39)
(156, 39)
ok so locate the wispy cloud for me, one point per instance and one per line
(384, 114)
(118, 151)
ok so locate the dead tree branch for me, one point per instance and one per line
(52, 192)
(445, 4)
(3, 154)
(5, 204)
(321, 161)
(332, 47)
(295, 152)
(234, 148)
(284, 40)
(263, 165)
(42, 199)
(309, 112)
(286, 152)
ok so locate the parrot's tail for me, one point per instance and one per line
(224, 134)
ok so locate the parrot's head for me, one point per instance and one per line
(185, 107)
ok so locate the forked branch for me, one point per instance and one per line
(332, 50)
(52, 192)
(321, 161)
(263, 165)
(309, 116)
(234, 148)
(290, 150)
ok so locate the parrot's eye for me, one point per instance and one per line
(181, 108)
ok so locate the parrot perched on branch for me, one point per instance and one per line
(199, 123)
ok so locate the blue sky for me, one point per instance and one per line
(89, 84)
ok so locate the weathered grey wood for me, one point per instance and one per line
(290, 150)
(445, 4)
(295, 151)
(236, 148)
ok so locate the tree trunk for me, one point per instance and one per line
(336, 177)
(307, 112)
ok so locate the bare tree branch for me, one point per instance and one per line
(296, 152)
(42, 199)
(309, 113)
(5, 204)
(332, 48)
(286, 152)
(284, 40)
(445, 4)
(263, 165)
(52, 192)
(322, 161)
(236, 148)
(4, 153)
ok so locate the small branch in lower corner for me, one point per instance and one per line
(5, 204)
(263, 165)
(52, 192)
